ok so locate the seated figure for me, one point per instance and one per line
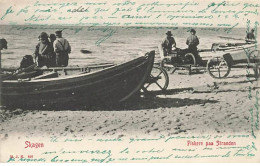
(167, 44)
(26, 61)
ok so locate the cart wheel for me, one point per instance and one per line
(166, 64)
(254, 57)
(158, 80)
(254, 60)
(190, 59)
(218, 67)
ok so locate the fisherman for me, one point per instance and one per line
(168, 44)
(3, 44)
(26, 61)
(250, 36)
(52, 38)
(193, 42)
(44, 53)
(62, 49)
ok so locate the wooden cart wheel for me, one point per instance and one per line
(218, 67)
(254, 60)
(158, 80)
(254, 57)
(190, 59)
(166, 63)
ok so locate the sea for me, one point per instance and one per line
(107, 44)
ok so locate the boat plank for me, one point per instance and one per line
(114, 83)
(52, 88)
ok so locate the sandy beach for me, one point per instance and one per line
(192, 104)
(196, 119)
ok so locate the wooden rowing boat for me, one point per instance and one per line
(112, 84)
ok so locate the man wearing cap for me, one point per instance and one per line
(62, 49)
(193, 42)
(168, 43)
(44, 53)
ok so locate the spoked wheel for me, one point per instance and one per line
(190, 59)
(218, 67)
(166, 64)
(254, 57)
(158, 80)
(254, 60)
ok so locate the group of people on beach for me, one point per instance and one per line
(52, 51)
(168, 44)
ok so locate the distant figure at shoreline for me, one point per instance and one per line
(250, 37)
(168, 43)
(62, 49)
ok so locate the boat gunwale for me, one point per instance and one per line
(81, 85)
(78, 75)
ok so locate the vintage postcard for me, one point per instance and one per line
(129, 81)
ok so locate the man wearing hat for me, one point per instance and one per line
(250, 37)
(193, 42)
(168, 43)
(44, 53)
(62, 49)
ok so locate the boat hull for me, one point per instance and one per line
(114, 84)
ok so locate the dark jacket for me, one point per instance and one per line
(250, 36)
(45, 54)
(167, 44)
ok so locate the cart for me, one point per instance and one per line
(218, 60)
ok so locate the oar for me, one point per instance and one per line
(85, 51)
(20, 71)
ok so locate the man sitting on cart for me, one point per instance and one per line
(193, 42)
(168, 44)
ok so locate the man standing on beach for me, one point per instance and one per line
(250, 37)
(193, 42)
(168, 43)
(43, 53)
(3, 45)
(62, 49)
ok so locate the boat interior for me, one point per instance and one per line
(45, 73)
